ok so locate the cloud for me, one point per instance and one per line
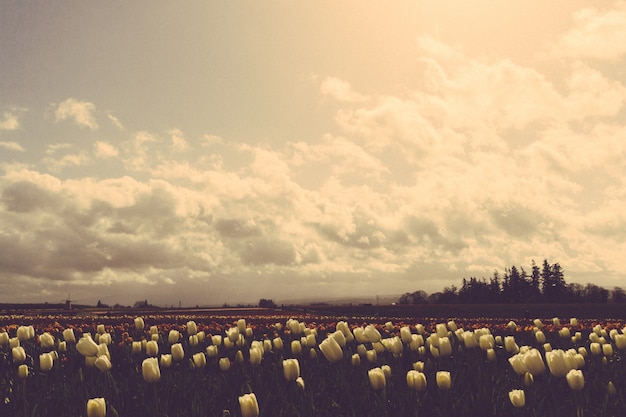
(81, 112)
(340, 90)
(597, 34)
(105, 150)
(12, 146)
(115, 121)
(10, 120)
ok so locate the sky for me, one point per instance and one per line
(212, 152)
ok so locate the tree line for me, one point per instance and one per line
(545, 284)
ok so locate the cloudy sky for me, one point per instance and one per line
(222, 151)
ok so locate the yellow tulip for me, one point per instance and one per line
(96, 407)
(249, 405)
(517, 397)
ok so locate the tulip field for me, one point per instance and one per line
(286, 365)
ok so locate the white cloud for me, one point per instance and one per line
(340, 90)
(12, 146)
(81, 112)
(597, 34)
(115, 121)
(105, 150)
(9, 121)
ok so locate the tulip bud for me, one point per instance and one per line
(152, 348)
(136, 348)
(575, 379)
(278, 343)
(103, 363)
(300, 382)
(22, 371)
(248, 405)
(46, 361)
(46, 340)
(377, 379)
(19, 355)
(224, 364)
(491, 355)
(517, 397)
(23, 333)
(607, 349)
(211, 351)
(166, 360)
(68, 335)
(192, 329)
(444, 381)
(86, 346)
(331, 349)
(150, 370)
(371, 356)
(256, 355)
(173, 337)
(595, 348)
(418, 366)
(193, 340)
(610, 388)
(296, 347)
(14, 342)
(139, 324)
(356, 360)
(4, 338)
(371, 334)
(199, 360)
(538, 324)
(96, 407)
(178, 354)
(512, 326)
(529, 379)
(416, 380)
(291, 369)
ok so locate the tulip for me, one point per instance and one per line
(248, 405)
(68, 335)
(564, 333)
(444, 381)
(4, 338)
(216, 339)
(267, 345)
(445, 347)
(291, 369)
(355, 360)
(136, 348)
(173, 336)
(607, 349)
(211, 351)
(575, 379)
(538, 323)
(371, 334)
(278, 343)
(152, 348)
(509, 344)
(62, 346)
(224, 364)
(377, 379)
(154, 330)
(418, 366)
(343, 327)
(166, 360)
(46, 361)
(339, 337)
(192, 328)
(534, 362)
(517, 397)
(199, 360)
(96, 407)
(331, 349)
(416, 380)
(405, 334)
(46, 340)
(359, 334)
(23, 333)
(540, 337)
(620, 341)
(296, 347)
(529, 379)
(486, 341)
(150, 370)
(139, 324)
(103, 363)
(178, 354)
(596, 349)
(193, 340)
(19, 355)
(417, 340)
(512, 326)
(233, 334)
(469, 340)
(86, 346)
(14, 342)
(558, 363)
(22, 371)
(517, 363)
(256, 355)
(491, 355)
(556, 322)
(371, 356)
(300, 382)
(610, 388)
